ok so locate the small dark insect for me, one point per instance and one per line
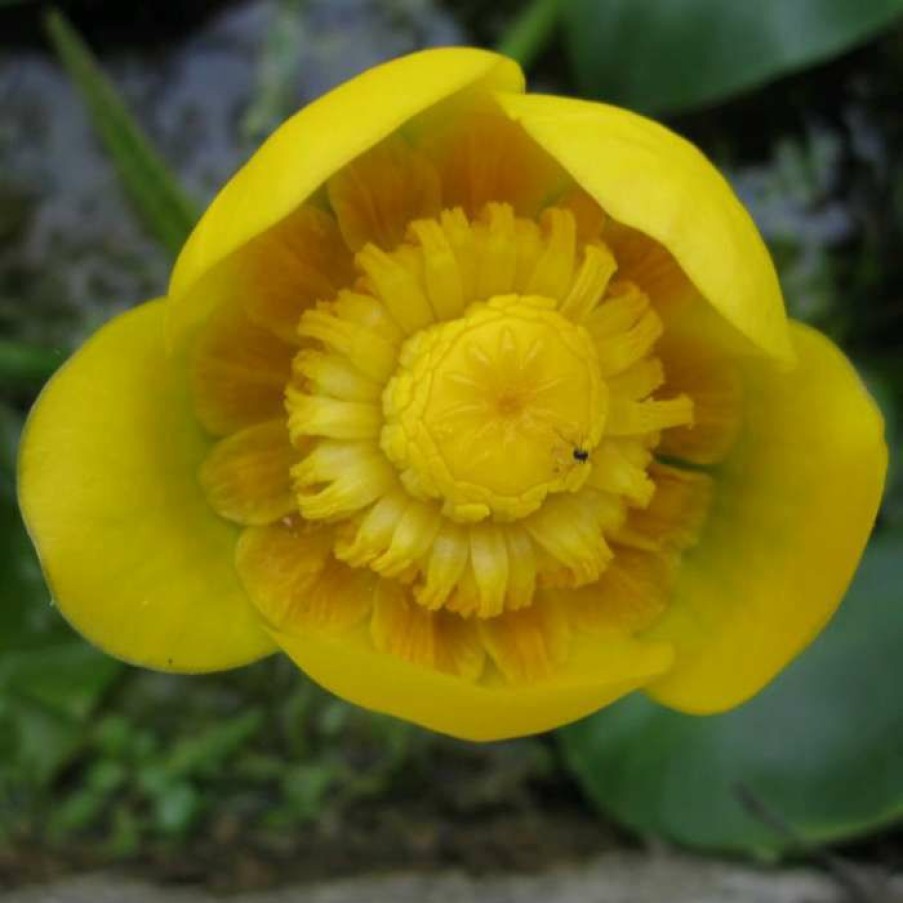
(581, 454)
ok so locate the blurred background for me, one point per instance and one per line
(248, 780)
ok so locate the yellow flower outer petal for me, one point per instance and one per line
(311, 147)
(596, 675)
(650, 179)
(795, 503)
(135, 558)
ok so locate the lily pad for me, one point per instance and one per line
(819, 751)
(667, 55)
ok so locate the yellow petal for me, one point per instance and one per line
(570, 529)
(634, 418)
(442, 275)
(449, 556)
(351, 668)
(411, 540)
(238, 372)
(358, 328)
(530, 644)
(301, 261)
(648, 178)
(596, 269)
(650, 265)
(794, 504)
(320, 415)
(490, 565)
(619, 467)
(372, 534)
(314, 145)
(483, 157)
(378, 194)
(332, 374)
(553, 274)
(337, 479)
(296, 584)
(675, 516)
(631, 594)
(590, 217)
(136, 559)
(247, 477)
(400, 291)
(434, 639)
(521, 577)
(697, 368)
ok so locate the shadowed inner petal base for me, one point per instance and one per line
(466, 466)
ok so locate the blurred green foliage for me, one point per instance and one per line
(667, 55)
(25, 365)
(261, 747)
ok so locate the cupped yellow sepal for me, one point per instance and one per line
(648, 178)
(316, 143)
(599, 672)
(794, 504)
(135, 558)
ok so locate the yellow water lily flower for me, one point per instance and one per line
(481, 405)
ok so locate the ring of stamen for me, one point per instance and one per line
(475, 412)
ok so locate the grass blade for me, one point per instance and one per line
(158, 198)
(528, 35)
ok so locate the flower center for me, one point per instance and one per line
(475, 392)
(475, 413)
(491, 412)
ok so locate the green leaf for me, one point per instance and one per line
(159, 200)
(666, 55)
(40, 742)
(205, 753)
(529, 33)
(63, 674)
(305, 788)
(176, 809)
(821, 749)
(23, 364)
